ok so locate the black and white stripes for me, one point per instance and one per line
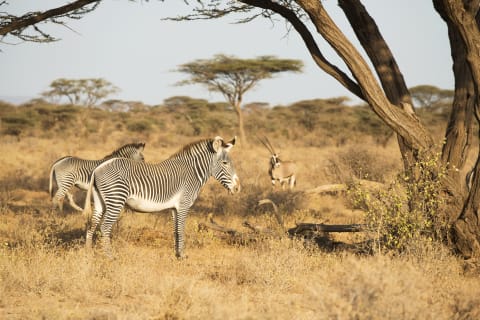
(171, 184)
(71, 171)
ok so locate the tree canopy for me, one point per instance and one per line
(233, 77)
(85, 92)
(430, 96)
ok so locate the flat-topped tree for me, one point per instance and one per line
(233, 77)
(86, 92)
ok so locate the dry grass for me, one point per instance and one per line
(46, 273)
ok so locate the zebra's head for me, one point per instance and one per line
(223, 169)
(131, 151)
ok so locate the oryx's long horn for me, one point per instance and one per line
(264, 142)
(271, 147)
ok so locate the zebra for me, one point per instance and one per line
(171, 184)
(279, 170)
(72, 171)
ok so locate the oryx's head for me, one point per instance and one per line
(274, 159)
(223, 169)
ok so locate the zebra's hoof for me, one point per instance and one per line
(181, 256)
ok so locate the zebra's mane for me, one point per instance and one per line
(135, 145)
(193, 147)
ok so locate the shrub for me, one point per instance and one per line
(139, 126)
(15, 125)
(406, 212)
(360, 162)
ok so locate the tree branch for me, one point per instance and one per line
(310, 43)
(400, 121)
(15, 25)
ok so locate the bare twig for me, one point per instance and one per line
(278, 215)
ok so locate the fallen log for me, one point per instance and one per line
(257, 229)
(210, 224)
(338, 187)
(320, 227)
(233, 236)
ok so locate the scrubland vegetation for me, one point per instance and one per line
(45, 272)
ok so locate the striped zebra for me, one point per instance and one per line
(71, 171)
(171, 184)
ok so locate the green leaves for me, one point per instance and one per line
(234, 76)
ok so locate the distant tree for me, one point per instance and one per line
(85, 92)
(233, 77)
(427, 96)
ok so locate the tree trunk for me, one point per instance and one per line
(461, 17)
(459, 131)
(413, 133)
(385, 66)
(237, 105)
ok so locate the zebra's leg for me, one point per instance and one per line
(292, 181)
(96, 218)
(57, 200)
(64, 185)
(113, 207)
(72, 202)
(179, 217)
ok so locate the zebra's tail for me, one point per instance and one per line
(50, 183)
(87, 209)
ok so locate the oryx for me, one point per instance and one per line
(279, 170)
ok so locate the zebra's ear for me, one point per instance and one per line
(228, 146)
(217, 144)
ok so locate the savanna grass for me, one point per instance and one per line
(46, 273)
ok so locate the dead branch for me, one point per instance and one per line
(275, 210)
(234, 236)
(257, 229)
(338, 187)
(302, 228)
(212, 225)
(327, 188)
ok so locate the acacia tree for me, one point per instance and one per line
(85, 92)
(233, 77)
(427, 96)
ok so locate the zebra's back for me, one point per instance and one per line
(76, 169)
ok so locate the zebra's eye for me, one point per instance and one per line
(225, 162)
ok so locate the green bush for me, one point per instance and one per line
(139, 126)
(407, 211)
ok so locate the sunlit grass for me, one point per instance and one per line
(45, 271)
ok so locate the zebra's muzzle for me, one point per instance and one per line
(235, 188)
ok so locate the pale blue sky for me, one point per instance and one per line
(129, 45)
